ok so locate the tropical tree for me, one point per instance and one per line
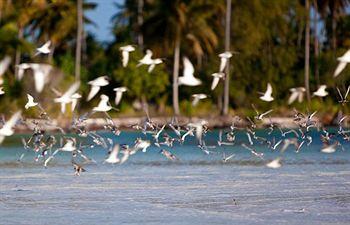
(181, 24)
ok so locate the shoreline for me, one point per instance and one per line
(125, 123)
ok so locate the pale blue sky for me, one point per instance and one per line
(102, 17)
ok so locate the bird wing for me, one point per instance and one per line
(71, 90)
(293, 97)
(125, 58)
(339, 69)
(93, 91)
(223, 62)
(188, 67)
(269, 89)
(12, 121)
(118, 97)
(39, 79)
(215, 83)
(4, 64)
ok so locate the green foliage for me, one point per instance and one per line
(141, 83)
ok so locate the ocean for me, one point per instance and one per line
(310, 188)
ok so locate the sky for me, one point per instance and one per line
(101, 16)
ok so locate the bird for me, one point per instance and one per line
(2, 91)
(41, 73)
(168, 155)
(44, 49)
(226, 158)
(260, 116)
(69, 146)
(7, 129)
(343, 61)
(4, 65)
(321, 91)
(20, 70)
(224, 59)
(78, 169)
(216, 79)
(188, 77)
(267, 96)
(103, 105)
(96, 85)
(197, 97)
(125, 53)
(329, 148)
(198, 126)
(30, 103)
(343, 99)
(67, 96)
(74, 97)
(297, 93)
(153, 63)
(147, 59)
(142, 144)
(113, 155)
(274, 164)
(119, 94)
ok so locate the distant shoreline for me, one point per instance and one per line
(126, 123)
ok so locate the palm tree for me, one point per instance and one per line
(174, 24)
(227, 48)
(79, 39)
(307, 51)
(334, 8)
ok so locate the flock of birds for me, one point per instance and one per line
(163, 136)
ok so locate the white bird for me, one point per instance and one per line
(30, 102)
(113, 155)
(67, 96)
(199, 128)
(41, 73)
(142, 144)
(197, 97)
(321, 91)
(125, 53)
(96, 86)
(7, 129)
(4, 64)
(147, 59)
(343, 61)
(329, 148)
(103, 105)
(119, 94)
(224, 59)
(74, 99)
(188, 77)
(297, 93)
(69, 146)
(154, 63)
(267, 96)
(44, 49)
(216, 79)
(21, 68)
(274, 164)
(2, 91)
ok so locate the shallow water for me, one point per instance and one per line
(310, 187)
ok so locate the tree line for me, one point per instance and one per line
(291, 43)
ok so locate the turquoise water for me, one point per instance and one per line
(309, 188)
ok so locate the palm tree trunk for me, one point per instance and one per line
(227, 48)
(334, 31)
(307, 51)
(176, 76)
(316, 46)
(79, 39)
(140, 4)
(18, 51)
